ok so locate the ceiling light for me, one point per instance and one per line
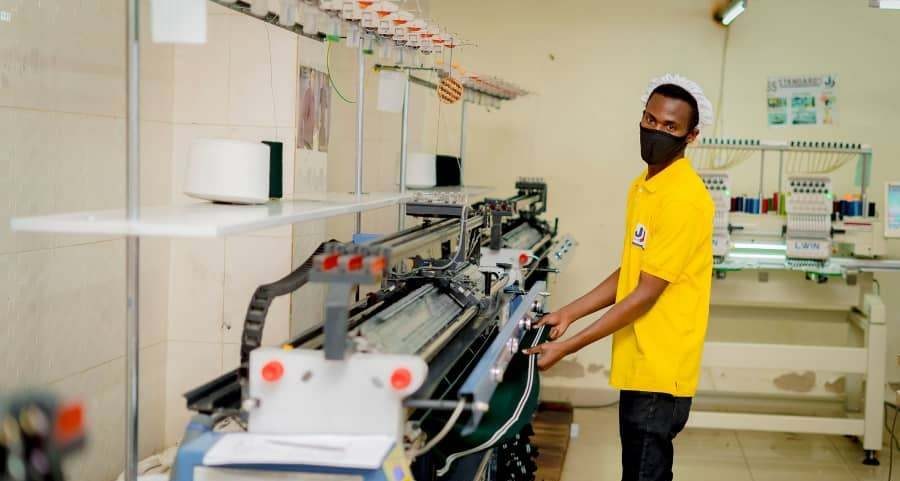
(885, 4)
(731, 12)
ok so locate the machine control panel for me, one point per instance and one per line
(719, 186)
(809, 207)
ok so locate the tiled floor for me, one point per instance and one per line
(719, 455)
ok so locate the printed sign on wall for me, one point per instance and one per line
(806, 100)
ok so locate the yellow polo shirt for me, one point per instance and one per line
(668, 234)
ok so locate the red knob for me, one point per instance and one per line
(272, 371)
(523, 259)
(329, 262)
(401, 378)
(354, 263)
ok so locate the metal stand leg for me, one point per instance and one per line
(876, 346)
(870, 459)
(132, 247)
(404, 151)
(360, 121)
(462, 144)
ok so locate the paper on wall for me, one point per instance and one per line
(390, 91)
(803, 100)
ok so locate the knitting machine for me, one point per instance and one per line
(423, 378)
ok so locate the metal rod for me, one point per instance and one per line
(437, 404)
(762, 175)
(780, 175)
(462, 144)
(404, 151)
(360, 119)
(866, 161)
(132, 245)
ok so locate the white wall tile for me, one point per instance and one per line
(34, 170)
(88, 168)
(196, 290)
(86, 295)
(153, 398)
(202, 76)
(231, 356)
(6, 315)
(25, 76)
(311, 53)
(45, 69)
(157, 73)
(156, 163)
(7, 192)
(284, 75)
(263, 74)
(251, 262)
(30, 311)
(310, 171)
(154, 285)
(307, 304)
(89, 74)
(102, 390)
(189, 364)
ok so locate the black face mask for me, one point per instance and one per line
(658, 147)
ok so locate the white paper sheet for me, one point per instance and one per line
(361, 452)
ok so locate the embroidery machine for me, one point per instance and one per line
(797, 324)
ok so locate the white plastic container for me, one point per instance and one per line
(230, 171)
(421, 171)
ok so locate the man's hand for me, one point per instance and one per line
(548, 353)
(558, 323)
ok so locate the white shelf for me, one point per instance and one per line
(462, 189)
(205, 219)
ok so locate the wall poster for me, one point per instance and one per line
(804, 100)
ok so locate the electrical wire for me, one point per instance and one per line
(271, 73)
(720, 115)
(457, 412)
(460, 248)
(330, 77)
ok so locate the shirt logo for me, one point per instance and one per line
(640, 236)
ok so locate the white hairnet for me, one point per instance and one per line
(705, 107)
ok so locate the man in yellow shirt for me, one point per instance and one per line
(660, 293)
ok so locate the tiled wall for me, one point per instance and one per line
(241, 84)
(62, 148)
(381, 162)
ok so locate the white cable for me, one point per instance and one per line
(457, 412)
(532, 365)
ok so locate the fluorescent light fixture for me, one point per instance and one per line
(760, 257)
(886, 4)
(760, 246)
(727, 15)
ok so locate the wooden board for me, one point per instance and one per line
(552, 431)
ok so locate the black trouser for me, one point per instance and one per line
(648, 422)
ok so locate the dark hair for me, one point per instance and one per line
(673, 91)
